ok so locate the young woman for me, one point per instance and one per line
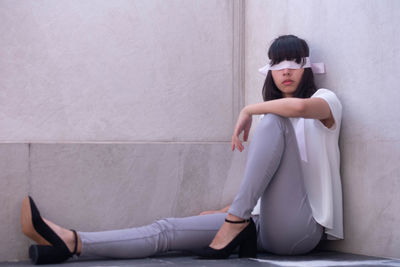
(292, 167)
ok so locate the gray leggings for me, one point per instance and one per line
(273, 172)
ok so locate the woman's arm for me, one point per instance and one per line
(315, 108)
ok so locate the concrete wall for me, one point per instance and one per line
(116, 113)
(360, 45)
(118, 70)
(94, 187)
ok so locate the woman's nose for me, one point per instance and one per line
(286, 71)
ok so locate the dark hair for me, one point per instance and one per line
(289, 47)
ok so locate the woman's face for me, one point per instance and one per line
(287, 80)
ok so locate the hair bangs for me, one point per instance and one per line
(288, 47)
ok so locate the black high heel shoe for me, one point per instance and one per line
(246, 240)
(55, 250)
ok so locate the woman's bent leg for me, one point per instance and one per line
(273, 172)
(286, 222)
(263, 159)
(163, 235)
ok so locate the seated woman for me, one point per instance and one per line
(292, 167)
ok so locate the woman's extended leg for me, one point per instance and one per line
(182, 234)
(187, 233)
(273, 172)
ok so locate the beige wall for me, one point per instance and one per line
(118, 70)
(360, 45)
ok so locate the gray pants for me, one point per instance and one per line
(273, 172)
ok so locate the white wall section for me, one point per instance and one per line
(360, 45)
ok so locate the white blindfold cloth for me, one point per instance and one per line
(291, 64)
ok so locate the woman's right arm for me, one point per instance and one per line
(314, 108)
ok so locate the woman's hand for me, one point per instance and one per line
(223, 210)
(210, 212)
(243, 124)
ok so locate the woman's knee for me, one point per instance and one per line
(165, 225)
(163, 234)
(272, 122)
(271, 118)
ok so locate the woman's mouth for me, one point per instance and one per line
(288, 82)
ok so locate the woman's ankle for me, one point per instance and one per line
(67, 236)
(228, 231)
(234, 218)
(79, 245)
(71, 241)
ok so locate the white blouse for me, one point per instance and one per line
(320, 155)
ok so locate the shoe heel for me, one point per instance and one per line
(248, 248)
(41, 254)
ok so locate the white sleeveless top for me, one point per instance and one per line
(319, 152)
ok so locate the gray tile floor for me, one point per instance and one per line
(320, 259)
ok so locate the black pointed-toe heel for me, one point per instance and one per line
(246, 240)
(55, 250)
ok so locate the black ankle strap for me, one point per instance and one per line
(244, 221)
(76, 242)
